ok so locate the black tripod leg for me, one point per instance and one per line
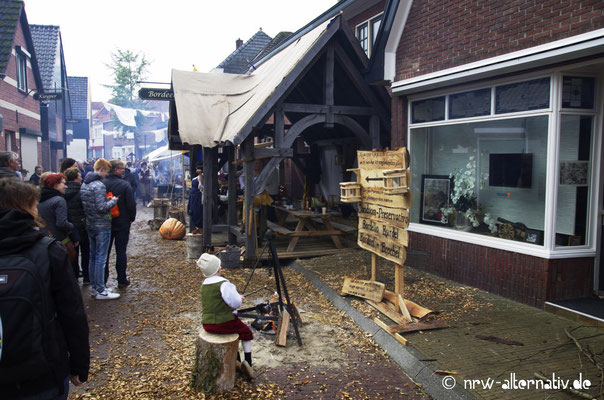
(279, 277)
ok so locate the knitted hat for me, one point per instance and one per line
(208, 264)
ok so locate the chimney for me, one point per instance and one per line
(238, 43)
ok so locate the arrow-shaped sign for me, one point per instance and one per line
(373, 179)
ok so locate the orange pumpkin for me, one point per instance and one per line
(172, 229)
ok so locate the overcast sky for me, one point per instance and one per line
(172, 34)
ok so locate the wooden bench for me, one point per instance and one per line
(278, 229)
(341, 227)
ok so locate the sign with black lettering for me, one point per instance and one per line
(156, 94)
(47, 96)
(365, 289)
(384, 231)
(393, 216)
(385, 248)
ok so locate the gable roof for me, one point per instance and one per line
(238, 61)
(46, 40)
(78, 88)
(10, 10)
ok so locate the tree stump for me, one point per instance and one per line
(215, 362)
(194, 246)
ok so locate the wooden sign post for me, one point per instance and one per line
(385, 200)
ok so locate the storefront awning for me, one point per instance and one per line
(215, 108)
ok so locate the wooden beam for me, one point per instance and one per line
(418, 326)
(324, 109)
(386, 328)
(289, 140)
(232, 193)
(373, 266)
(328, 78)
(355, 128)
(279, 127)
(360, 84)
(274, 152)
(328, 84)
(282, 328)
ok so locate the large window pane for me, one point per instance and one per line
(513, 203)
(428, 110)
(470, 104)
(578, 92)
(572, 216)
(522, 96)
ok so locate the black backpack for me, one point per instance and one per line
(27, 314)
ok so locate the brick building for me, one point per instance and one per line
(20, 80)
(500, 105)
(54, 112)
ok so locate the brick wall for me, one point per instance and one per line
(442, 34)
(13, 120)
(523, 278)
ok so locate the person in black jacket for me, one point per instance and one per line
(76, 215)
(68, 350)
(120, 226)
(130, 177)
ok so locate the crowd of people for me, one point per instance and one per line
(55, 228)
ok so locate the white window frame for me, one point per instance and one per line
(548, 250)
(21, 63)
(370, 34)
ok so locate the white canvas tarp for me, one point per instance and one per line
(213, 108)
(162, 153)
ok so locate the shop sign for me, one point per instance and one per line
(365, 289)
(393, 216)
(48, 96)
(387, 159)
(384, 231)
(389, 249)
(378, 196)
(156, 94)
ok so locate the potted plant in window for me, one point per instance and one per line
(463, 211)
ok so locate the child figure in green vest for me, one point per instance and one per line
(219, 302)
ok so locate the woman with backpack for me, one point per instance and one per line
(43, 325)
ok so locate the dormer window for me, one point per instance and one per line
(367, 33)
(21, 56)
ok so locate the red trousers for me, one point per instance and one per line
(234, 326)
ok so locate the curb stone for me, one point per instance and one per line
(407, 357)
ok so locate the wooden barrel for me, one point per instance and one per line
(215, 362)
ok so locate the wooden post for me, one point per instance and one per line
(215, 362)
(247, 148)
(374, 259)
(209, 178)
(374, 132)
(232, 192)
(398, 283)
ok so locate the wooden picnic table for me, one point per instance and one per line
(306, 228)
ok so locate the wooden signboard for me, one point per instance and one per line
(393, 216)
(385, 231)
(375, 178)
(379, 197)
(365, 289)
(387, 159)
(388, 249)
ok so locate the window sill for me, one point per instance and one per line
(502, 244)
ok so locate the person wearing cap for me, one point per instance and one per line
(219, 301)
